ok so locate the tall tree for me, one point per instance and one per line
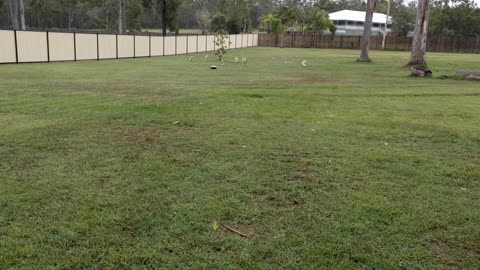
(169, 14)
(122, 17)
(385, 31)
(21, 14)
(367, 30)
(403, 17)
(419, 44)
(70, 7)
(163, 8)
(13, 5)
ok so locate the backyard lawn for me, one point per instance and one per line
(128, 164)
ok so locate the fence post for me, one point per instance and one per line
(16, 45)
(197, 43)
(48, 47)
(175, 43)
(163, 48)
(187, 44)
(98, 49)
(149, 44)
(134, 53)
(74, 46)
(116, 41)
(206, 43)
(247, 39)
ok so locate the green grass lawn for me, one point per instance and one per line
(127, 164)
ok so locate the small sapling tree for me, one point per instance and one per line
(222, 45)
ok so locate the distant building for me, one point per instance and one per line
(350, 22)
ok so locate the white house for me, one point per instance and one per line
(350, 22)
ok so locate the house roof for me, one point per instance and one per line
(357, 16)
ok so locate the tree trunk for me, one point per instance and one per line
(385, 32)
(106, 7)
(419, 44)
(367, 30)
(70, 19)
(71, 14)
(164, 17)
(121, 17)
(13, 4)
(21, 11)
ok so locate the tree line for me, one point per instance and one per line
(447, 17)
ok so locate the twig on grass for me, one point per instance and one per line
(234, 231)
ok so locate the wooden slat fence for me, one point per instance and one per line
(393, 43)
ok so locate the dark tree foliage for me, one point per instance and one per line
(218, 22)
(455, 18)
(234, 26)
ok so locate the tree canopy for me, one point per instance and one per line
(448, 17)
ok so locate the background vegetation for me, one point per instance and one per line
(449, 17)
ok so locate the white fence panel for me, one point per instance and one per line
(107, 46)
(255, 40)
(170, 46)
(32, 46)
(233, 42)
(7, 47)
(181, 44)
(202, 43)
(86, 46)
(227, 42)
(192, 44)
(142, 46)
(250, 40)
(244, 41)
(210, 43)
(157, 46)
(239, 40)
(61, 46)
(125, 46)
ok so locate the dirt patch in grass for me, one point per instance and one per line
(144, 135)
(454, 255)
(254, 96)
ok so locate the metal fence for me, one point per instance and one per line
(311, 40)
(38, 46)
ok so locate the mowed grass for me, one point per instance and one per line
(127, 164)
